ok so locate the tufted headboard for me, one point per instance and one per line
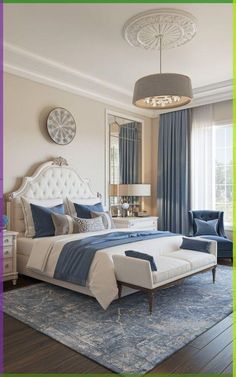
(50, 183)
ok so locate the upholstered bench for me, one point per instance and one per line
(171, 267)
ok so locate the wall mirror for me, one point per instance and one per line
(125, 165)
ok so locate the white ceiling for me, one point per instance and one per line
(84, 43)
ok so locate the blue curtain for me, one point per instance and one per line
(129, 150)
(173, 185)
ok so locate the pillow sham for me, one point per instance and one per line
(69, 204)
(144, 256)
(42, 218)
(27, 213)
(196, 245)
(64, 224)
(81, 210)
(106, 218)
(89, 225)
(206, 228)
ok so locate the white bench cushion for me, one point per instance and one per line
(195, 258)
(168, 268)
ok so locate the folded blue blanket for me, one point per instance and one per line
(76, 257)
(144, 256)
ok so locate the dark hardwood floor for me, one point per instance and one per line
(29, 351)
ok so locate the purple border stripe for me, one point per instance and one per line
(1, 185)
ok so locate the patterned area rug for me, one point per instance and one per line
(125, 338)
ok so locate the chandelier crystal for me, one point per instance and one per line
(161, 100)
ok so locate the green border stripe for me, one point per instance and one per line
(117, 1)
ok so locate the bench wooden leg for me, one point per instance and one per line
(150, 301)
(119, 290)
(214, 274)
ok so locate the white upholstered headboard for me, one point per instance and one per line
(51, 182)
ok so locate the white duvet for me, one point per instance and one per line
(101, 280)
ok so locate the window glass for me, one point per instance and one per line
(223, 168)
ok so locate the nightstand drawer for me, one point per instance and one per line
(7, 265)
(145, 225)
(136, 223)
(7, 251)
(7, 240)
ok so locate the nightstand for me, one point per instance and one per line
(136, 223)
(9, 256)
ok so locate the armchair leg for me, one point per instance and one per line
(214, 274)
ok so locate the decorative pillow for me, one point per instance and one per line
(64, 224)
(28, 218)
(89, 225)
(139, 255)
(206, 228)
(81, 210)
(42, 218)
(196, 245)
(106, 218)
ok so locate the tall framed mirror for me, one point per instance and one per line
(124, 164)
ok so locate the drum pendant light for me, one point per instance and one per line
(163, 28)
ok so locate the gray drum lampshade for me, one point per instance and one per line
(162, 91)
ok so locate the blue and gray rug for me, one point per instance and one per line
(125, 338)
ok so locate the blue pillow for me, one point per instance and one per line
(137, 254)
(84, 212)
(196, 245)
(42, 218)
(206, 228)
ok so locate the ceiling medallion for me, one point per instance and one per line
(161, 29)
(177, 27)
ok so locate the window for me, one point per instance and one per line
(223, 170)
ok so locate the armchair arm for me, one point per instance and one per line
(133, 271)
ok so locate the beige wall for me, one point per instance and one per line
(26, 142)
(223, 111)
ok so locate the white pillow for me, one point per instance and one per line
(28, 218)
(106, 218)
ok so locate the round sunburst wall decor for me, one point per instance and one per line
(177, 27)
(61, 126)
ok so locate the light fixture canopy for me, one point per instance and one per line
(158, 29)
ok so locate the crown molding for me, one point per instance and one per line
(204, 95)
(37, 68)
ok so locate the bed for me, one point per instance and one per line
(51, 183)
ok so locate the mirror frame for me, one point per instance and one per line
(107, 149)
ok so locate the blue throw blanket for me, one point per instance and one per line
(76, 257)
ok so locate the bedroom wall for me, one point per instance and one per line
(27, 144)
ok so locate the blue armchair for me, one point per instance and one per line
(224, 245)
